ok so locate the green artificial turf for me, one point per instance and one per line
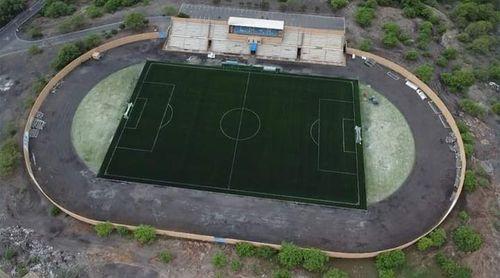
(251, 133)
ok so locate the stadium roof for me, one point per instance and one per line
(255, 22)
(297, 20)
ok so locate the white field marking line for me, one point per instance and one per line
(140, 115)
(126, 121)
(239, 129)
(355, 146)
(231, 137)
(337, 100)
(343, 135)
(230, 189)
(171, 116)
(311, 134)
(133, 149)
(163, 117)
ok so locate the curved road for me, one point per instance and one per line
(11, 43)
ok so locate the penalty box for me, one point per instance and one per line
(281, 136)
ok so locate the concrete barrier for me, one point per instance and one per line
(149, 36)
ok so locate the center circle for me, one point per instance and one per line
(240, 124)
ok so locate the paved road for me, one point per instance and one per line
(11, 43)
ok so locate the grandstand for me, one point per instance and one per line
(268, 35)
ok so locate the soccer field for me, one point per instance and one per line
(271, 135)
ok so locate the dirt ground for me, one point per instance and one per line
(68, 246)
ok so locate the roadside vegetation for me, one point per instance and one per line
(9, 9)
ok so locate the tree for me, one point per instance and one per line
(9, 157)
(135, 21)
(450, 53)
(466, 239)
(9, 9)
(390, 260)
(91, 41)
(66, 54)
(290, 255)
(145, 234)
(55, 9)
(335, 273)
(314, 259)
(479, 28)
(93, 11)
(482, 45)
(364, 16)
(112, 6)
(425, 72)
(338, 4)
(459, 80)
(473, 108)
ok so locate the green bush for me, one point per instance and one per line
(338, 4)
(8, 254)
(9, 157)
(335, 273)
(183, 15)
(366, 45)
(458, 80)
(386, 273)
(39, 84)
(466, 239)
(165, 256)
(479, 28)
(424, 244)
(411, 55)
(473, 108)
(470, 181)
(450, 53)
(364, 16)
(451, 268)
(73, 23)
(93, 11)
(438, 237)
(463, 216)
(34, 50)
(425, 72)
(123, 231)
(66, 54)
(145, 234)
(104, 229)
(236, 265)
(290, 256)
(112, 6)
(390, 260)
(219, 260)
(482, 45)
(265, 252)
(314, 259)
(390, 40)
(135, 21)
(35, 32)
(245, 249)
(91, 41)
(9, 9)
(282, 273)
(170, 10)
(495, 108)
(56, 9)
(55, 211)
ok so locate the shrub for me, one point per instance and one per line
(425, 72)
(236, 266)
(104, 229)
(9, 9)
(145, 234)
(56, 9)
(438, 237)
(282, 273)
(458, 80)
(314, 259)
(91, 41)
(219, 260)
(290, 255)
(183, 15)
(35, 32)
(8, 254)
(364, 16)
(99, 3)
(466, 239)
(34, 50)
(55, 211)
(424, 243)
(135, 21)
(72, 24)
(470, 181)
(463, 216)
(112, 6)
(366, 45)
(390, 260)
(451, 268)
(390, 40)
(265, 252)
(123, 231)
(39, 84)
(66, 54)
(450, 53)
(170, 10)
(165, 256)
(9, 157)
(335, 273)
(495, 108)
(386, 273)
(93, 11)
(482, 45)
(473, 108)
(479, 28)
(338, 4)
(245, 249)
(411, 55)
